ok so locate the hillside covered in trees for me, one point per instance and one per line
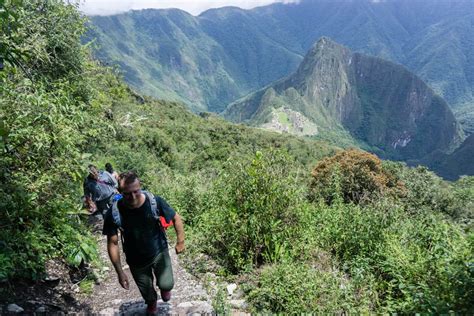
(301, 225)
(210, 60)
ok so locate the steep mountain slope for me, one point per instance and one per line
(442, 54)
(460, 162)
(165, 53)
(378, 102)
(209, 60)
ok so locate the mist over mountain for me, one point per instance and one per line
(210, 60)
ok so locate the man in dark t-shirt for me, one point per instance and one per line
(144, 240)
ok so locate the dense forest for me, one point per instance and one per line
(302, 225)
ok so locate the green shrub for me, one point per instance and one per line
(462, 207)
(251, 211)
(47, 120)
(353, 232)
(356, 175)
(427, 266)
(296, 288)
(427, 193)
(420, 263)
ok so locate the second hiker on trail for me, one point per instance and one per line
(144, 242)
(99, 190)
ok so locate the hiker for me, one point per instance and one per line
(110, 169)
(99, 190)
(143, 237)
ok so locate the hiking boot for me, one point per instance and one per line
(165, 295)
(151, 308)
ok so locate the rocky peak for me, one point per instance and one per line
(321, 59)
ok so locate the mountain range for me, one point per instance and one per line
(210, 60)
(261, 67)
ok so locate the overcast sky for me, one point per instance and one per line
(106, 7)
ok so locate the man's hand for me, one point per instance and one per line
(179, 247)
(90, 205)
(123, 280)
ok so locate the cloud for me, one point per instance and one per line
(107, 7)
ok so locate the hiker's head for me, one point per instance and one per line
(130, 188)
(93, 172)
(109, 168)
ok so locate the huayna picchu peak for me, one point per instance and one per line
(381, 104)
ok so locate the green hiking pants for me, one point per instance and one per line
(161, 268)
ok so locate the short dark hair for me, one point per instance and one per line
(128, 177)
(109, 168)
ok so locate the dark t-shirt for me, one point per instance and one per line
(143, 238)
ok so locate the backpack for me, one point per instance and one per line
(153, 208)
(109, 179)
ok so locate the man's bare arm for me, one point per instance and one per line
(179, 228)
(114, 255)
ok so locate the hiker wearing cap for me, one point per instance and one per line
(99, 189)
(137, 217)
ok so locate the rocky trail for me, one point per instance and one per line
(59, 293)
(109, 298)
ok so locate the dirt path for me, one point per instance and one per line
(58, 294)
(109, 298)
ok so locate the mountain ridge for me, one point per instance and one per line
(255, 47)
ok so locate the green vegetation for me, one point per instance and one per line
(359, 177)
(49, 111)
(248, 197)
(392, 253)
(60, 111)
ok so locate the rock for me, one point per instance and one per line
(238, 304)
(203, 308)
(52, 278)
(116, 302)
(231, 288)
(41, 309)
(195, 307)
(185, 305)
(107, 311)
(13, 308)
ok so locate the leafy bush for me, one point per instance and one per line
(47, 120)
(462, 207)
(251, 211)
(421, 263)
(427, 266)
(295, 288)
(427, 193)
(358, 176)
